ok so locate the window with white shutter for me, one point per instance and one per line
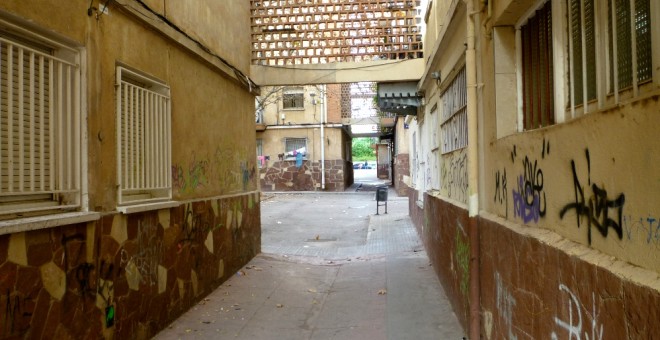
(40, 125)
(144, 138)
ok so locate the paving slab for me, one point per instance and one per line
(373, 283)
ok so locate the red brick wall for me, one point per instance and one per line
(334, 104)
(285, 176)
(89, 281)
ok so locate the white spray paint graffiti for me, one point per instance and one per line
(148, 255)
(574, 327)
(505, 304)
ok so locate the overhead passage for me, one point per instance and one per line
(400, 98)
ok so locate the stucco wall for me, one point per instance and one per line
(273, 140)
(591, 180)
(569, 228)
(129, 275)
(214, 23)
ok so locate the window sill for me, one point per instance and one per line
(47, 221)
(137, 208)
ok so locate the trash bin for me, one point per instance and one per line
(381, 198)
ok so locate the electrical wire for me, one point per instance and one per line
(240, 76)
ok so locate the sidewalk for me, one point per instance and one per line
(332, 269)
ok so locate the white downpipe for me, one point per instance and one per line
(471, 74)
(323, 113)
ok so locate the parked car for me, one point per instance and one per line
(357, 165)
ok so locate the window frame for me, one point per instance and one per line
(453, 102)
(296, 94)
(286, 147)
(159, 158)
(54, 70)
(608, 95)
(522, 123)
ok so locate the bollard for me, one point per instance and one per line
(381, 196)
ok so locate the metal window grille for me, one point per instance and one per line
(583, 50)
(643, 33)
(623, 43)
(537, 69)
(454, 114)
(295, 145)
(144, 138)
(293, 99)
(628, 24)
(40, 127)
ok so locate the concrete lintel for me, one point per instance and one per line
(334, 73)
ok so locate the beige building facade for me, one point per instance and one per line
(125, 196)
(301, 142)
(533, 165)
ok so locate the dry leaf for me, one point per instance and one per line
(382, 292)
(312, 290)
(317, 237)
(279, 305)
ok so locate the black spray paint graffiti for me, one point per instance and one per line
(501, 195)
(195, 227)
(93, 281)
(596, 208)
(17, 315)
(529, 201)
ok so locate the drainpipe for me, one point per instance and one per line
(473, 170)
(323, 113)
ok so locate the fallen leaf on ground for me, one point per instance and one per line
(382, 292)
(312, 290)
(279, 305)
(317, 237)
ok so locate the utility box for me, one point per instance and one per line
(381, 198)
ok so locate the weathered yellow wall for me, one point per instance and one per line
(528, 177)
(164, 261)
(614, 181)
(273, 142)
(214, 23)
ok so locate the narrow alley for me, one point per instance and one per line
(330, 268)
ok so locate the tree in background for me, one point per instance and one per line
(363, 149)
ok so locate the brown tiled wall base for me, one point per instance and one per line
(124, 276)
(534, 283)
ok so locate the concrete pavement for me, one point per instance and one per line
(330, 269)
